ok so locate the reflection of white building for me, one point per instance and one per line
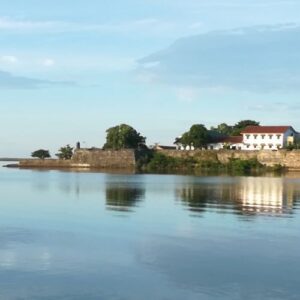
(264, 195)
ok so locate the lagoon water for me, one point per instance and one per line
(84, 235)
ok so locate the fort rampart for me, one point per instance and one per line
(285, 158)
(127, 159)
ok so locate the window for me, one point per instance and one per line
(270, 136)
(270, 146)
(248, 146)
(278, 136)
(255, 145)
(247, 136)
(263, 136)
(255, 136)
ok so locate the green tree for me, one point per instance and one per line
(65, 152)
(123, 137)
(197, 136)
(241, 125)
(41, 154)
(224, 129)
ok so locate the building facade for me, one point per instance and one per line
(268, 137)
(258, 138)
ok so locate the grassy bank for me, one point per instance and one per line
(159, 163)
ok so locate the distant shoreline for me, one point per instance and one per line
(10, 159)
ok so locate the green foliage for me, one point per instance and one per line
(160, 163)
(65, 152)
(143, 158)
(241, 125)
(41, 154)
(164, 163)
(197, 136)
(228, 130)
(123, 137)
(244, 166)
(293, 146)
(223, 129)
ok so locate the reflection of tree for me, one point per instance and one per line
(245, 196)
(123, 197)
(199, 198)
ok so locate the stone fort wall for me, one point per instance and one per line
(288, 159)
(127, 159)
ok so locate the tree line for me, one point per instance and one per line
(124, 136)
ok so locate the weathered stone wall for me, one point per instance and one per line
(121, 159)
(288, 159)
(126, 159)
(83, 158)
(49, 163)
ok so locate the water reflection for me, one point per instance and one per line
(266, 196)
(245, 196)
(122, 197)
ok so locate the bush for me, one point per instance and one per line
(244, 166)
(41, 154)
(163, 163)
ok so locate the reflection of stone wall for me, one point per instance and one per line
(289, 159)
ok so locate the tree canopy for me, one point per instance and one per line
(123, 137)
(65, 152)
(227, 130)
(197, 136)
(41, 154)
(241, 125)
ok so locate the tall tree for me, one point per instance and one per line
(65, 152)
(241, 125)
(123, 137)
(197, 136)
(224, 129)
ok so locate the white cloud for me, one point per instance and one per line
(9, 59)
(197, 25)
(259, 59)
(48, 62)
(11, 81)
(146, 26)
(7, 23)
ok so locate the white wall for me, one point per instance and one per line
(250, 140)
(266, 139)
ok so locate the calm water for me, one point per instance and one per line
(68, 235)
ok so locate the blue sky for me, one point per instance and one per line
(71, 69)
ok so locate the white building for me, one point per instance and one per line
(253, 138)
(230, 142)
(268, 137)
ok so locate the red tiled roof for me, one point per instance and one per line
(266, 129)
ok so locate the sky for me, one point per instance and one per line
(69, 70)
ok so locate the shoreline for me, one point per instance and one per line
(171, 161)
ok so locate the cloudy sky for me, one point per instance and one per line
(71, 69)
